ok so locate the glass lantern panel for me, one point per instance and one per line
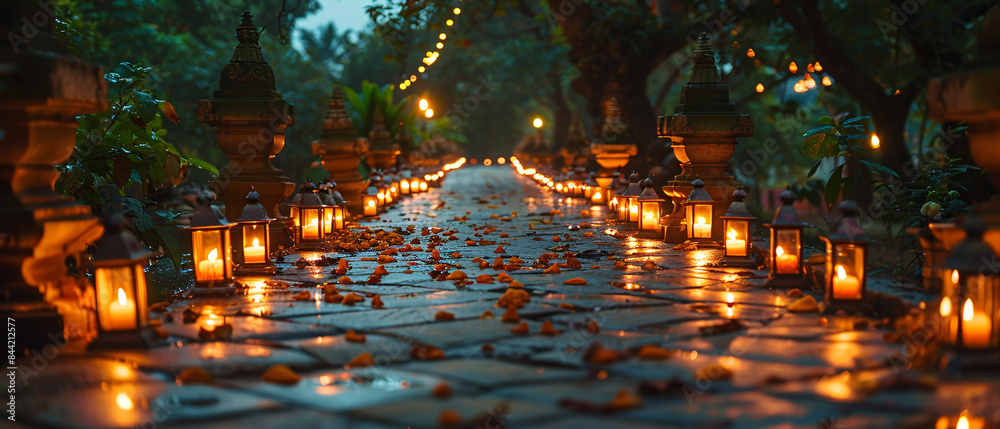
(310, 223)
(116, 298)
(736, 237)
(371, 205)
(404, 187)
(255, 243)
(338, 217)
(633, 209)
(979, 312)
(328, 220)
(786, 251)
(141, 294)
(423, 186)
(848, 271)
(208, 254)
(700, 220)
(293, 212)
(650, 214)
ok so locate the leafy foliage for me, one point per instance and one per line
(363, 106)
(121, 156)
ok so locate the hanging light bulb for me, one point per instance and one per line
(750, 53)
(421, 69)
(429, 113)
(760, 87)
(457, 11)
(449, 23)
(440, 45)
(793, 68)
(423, 104)
(875, 142)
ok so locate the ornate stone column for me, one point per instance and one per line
(42, 89)
(249, 117)
(382, 149)
(340, 148)
(703, 132)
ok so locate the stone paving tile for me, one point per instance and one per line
(839, 354)
(476, 412)
(597, 422)
(68, 372)
(248, 327)
(446, 335)
(335, 351)
(281, 419)
(138, 404)
(632, 318)
(392, 317)
(218, 358)
(737, 410)
(339, 390)
(491, 374)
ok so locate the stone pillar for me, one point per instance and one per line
(42, 89)
(611, 158)
(973, 96)
(382, 149)
(703, 132)
(340, 148)
(249, 117)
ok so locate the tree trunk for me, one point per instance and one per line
(562, 115)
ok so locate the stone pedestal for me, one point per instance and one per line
(382, 150)
(611, 158)
(42, 90)
(703, 132)
(340, 148)
(250, 119)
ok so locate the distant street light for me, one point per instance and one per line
(429, 113)
(423, 104)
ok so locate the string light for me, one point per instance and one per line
(421, 69)
(457, 11)
(429, 113)
(827, 81)
(442, 36)
(792, 67)
(449, 23)
(760, 87)
(440, 45)
(422, 104)
(750, 53)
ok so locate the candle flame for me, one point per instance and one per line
(967, 312)
(750, 53)
(875, 142)
(649, 215)
(121, 297)
(827, 81)
(213, 255)
(841, 273)
(732, 234)
(701, 220)
(779, 251)
(729, 298)
(963, 423)
(371, 203)
(945, 307)
(124, 402)
(954, 276)
(256, 243)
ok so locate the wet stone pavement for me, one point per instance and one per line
(628, 334)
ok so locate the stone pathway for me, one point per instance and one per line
(639, 346)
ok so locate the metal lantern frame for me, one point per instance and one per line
(119, 260)
(787, 263)
(969, 310)
(309, 209)
(211, 252)
(650, 209)
(699, 206)
(736, 228)
(846, 257)
(370, 201)
(254, 227)
(628, 200)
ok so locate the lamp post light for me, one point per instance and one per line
(846, 255)
(787, 269)
(736, 223)
(699, 216)
(256, 250)
(120, 286)
(211, 252)
(970, 297)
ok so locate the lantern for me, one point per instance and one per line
(846, 254)
(414, 185)
(571, 187)
(211, 252)
(394, 190)
(970, 297)
(736, 224)
(787, 269)
(120, 285)
(423, 186)
(698, 209)
(370, 201)
(404, 186)
(256, 239)
(628, 200)
(649, 208)
(310, 219)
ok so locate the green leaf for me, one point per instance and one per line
(204, 165)
(171, 247)
(817, 130)
(814, 168)
(856, 119)
(826, 120)
(833, 185)
(819, 146)
(880, 168)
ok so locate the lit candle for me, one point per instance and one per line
(786, 262)
(596, 197)
(311, 230)
(370, 208)
(423, 186)
(702, 229)
(210, 269)
(735, 246)
(845, 286)
(975, 328)
(254, 254)
(121, 313)
(404, 187)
